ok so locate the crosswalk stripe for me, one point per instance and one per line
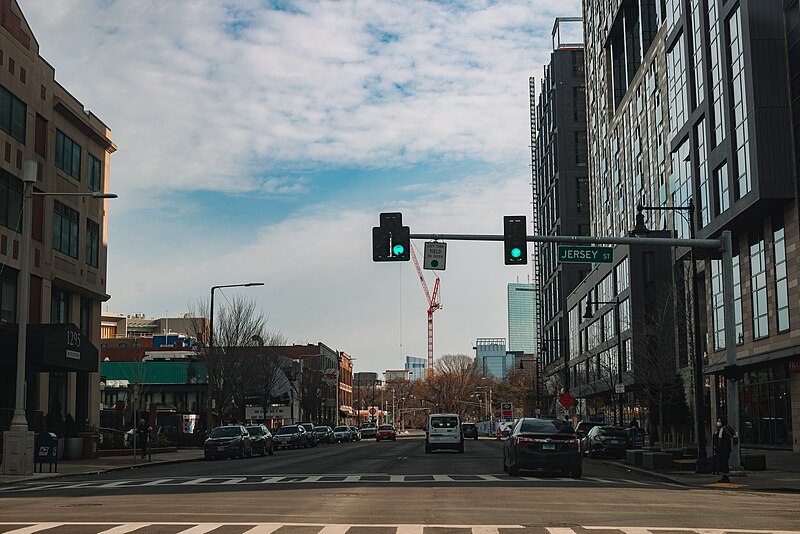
(157, 482)
(335, 529)
(234, 480)
(202, 528)
(409, 529)
(124, 529)
(560, 530)
(267, 528)
(35, 528)
(604, 480)
(485, 530)
(195, 481)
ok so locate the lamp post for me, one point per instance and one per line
(211, 334)
(560, 344)
(620, 348)
(702, 465)
(17, 458)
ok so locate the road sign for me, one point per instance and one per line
(619, 388)
(573, 254)
(566, 401)
(372, 411)
(507, 410)
(435, 255)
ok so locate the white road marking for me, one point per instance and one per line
(335, 529)
(157, 482)
(266, 528)
(202, 528)
(234, 480)
(124, 529)
(559, 530)
(195, 481)
(34, 528)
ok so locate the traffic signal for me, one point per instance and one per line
(391, 241)
(515, 240)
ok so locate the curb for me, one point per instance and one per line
(99, 471)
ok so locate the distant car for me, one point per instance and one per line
(261, 440)
(368, 430)
(470, 430)
(324, 434)
(311, 436)
(542, 443)
(342, 433)
(385, 432)
(583, 428)
(290, 437)
(605, 441)
(232, 441)
(356, 433)
(444, 432)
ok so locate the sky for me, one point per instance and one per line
(259, 140)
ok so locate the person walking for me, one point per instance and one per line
(727, 438)
(143, 434)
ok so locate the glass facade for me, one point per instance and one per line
(522, 318)
(416, 367)
(781, 283)
(491, 357)
(758, 275)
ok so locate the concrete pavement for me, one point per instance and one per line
(782, 474)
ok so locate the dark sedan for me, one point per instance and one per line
(470, 430)
(291, 437)
(324, 434)
(261, 439)
(606, 441)
(311, 436)
(542, 444)
(231, 441)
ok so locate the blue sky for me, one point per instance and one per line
(259, 141)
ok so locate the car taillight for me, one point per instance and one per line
(573, 443)
(521, 439)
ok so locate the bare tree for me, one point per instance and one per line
(456, 378)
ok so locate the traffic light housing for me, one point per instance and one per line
(391, 241)
(515, 240)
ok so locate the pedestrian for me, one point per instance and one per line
(727, 439)
(143, 433)
(715, 448)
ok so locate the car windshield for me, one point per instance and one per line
(467, 425)
(612, 431)
(287, 430)
(444, 422)
(308, 426)
(255, 430)
(340, 429)
(226, 432)
(386, 427)
(545, 426)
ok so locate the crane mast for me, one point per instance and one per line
(433, 305)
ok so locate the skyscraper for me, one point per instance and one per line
(522, 318)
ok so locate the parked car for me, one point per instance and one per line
(369, 430)
(355, 433)
(385, 432)
(342, 433)
(503, 430)
(583, 428)
(232, 441)
(290, 437)
(542, 444)
(261, 440)
(324, 434)
(605, 441)
(311, 436)
(444, 432)
(470, 430)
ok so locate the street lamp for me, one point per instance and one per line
(620, 348)
(702, 465)
(211, 333)
(18, 440)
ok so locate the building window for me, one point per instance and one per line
(13, 113)
(697, 52)
(95, 174)
(86, 317)
(578, 65)
(8, 296)
(717, 304)
(65, 229)
(681, 184)
(715, 62)
(781, 283)
(581, 149)
(579, 104)
(722, 189)
(741, 183)
(758, 275)
(10, 201)
(702, 174)
(676, 73)
(737, 296)
(68, 155)
(92, 242)
(59, 306)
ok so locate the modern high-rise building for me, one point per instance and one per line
(560, 187)
(416, 367)
(491, 356)
(522, 318)
(697, 101)
(41, 122)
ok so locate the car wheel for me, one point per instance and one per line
(513, 471)
(427, 448)
(208, 457)
(576, 472)
(476, 438)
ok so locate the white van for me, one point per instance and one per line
(444, 432)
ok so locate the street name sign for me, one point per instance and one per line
(572, 254)
(435, 256)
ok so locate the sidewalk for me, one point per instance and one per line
(782, 474)
(108, 463)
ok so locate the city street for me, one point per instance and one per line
(369, 483)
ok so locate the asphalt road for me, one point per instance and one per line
(389, 483)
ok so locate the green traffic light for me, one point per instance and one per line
(515, 252)
(398, 250)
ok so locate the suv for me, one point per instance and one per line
(232, 441)
(312, 436)
(470, 430)
(444, 432)
(368, 430)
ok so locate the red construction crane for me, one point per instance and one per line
(433, 305)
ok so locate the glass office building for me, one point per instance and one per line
(522, 318)
(492, 358)
(416, 367)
